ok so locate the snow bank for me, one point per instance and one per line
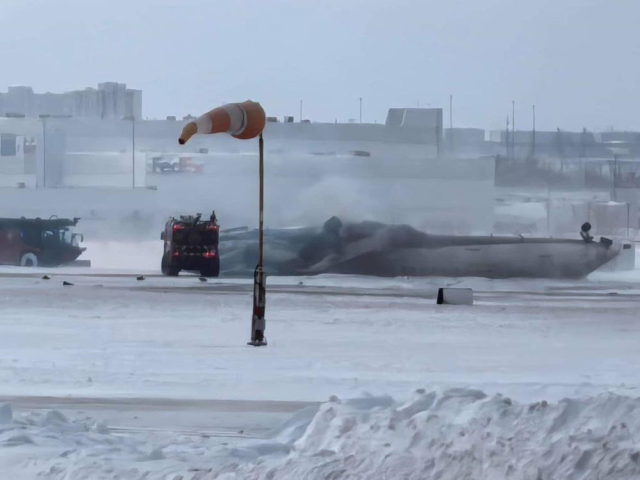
(455, 434)
(458, 434)
(50, 445)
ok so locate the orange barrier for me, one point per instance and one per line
(240, 120)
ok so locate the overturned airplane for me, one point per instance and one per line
(377, 249)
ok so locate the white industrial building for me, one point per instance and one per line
(110, 101)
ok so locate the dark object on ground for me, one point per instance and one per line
(46, 277)
(360, 153)
(371, 248)
(191, 244)
(203, 280)
(607, 242)
(140, 278)
(67, 284)
(455, 296)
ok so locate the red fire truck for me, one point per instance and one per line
(191, 244)
(32, 242)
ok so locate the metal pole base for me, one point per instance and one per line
(259, 303)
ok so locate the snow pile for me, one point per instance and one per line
(458, 434)
(50, 445)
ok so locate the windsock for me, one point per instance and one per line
(240, 120)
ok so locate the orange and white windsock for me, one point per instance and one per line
(240, 120)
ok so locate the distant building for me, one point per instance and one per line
(419, 118)
(110, 101)
(543, 137)
(467, 142)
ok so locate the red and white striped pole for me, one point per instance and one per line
(244, 121)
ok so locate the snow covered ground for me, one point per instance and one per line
(113, 377)
(454, 434)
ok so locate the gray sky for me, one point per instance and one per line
(577, 60)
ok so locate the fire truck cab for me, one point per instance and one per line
(191, 244)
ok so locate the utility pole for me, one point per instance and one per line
(451, 123)
(360, 109)
(300, 111)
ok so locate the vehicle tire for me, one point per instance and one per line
(29, 260)
(211, 269)
(168, 269)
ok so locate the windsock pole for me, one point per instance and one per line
(258, 322)
(244, 121)
(261, 200)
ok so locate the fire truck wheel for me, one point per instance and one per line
(167, 268)
(29, 260)
(211, 269)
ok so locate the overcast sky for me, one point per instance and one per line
(577, 60)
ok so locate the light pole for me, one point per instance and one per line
(44, 117)
(244, 121)
(360, 109)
